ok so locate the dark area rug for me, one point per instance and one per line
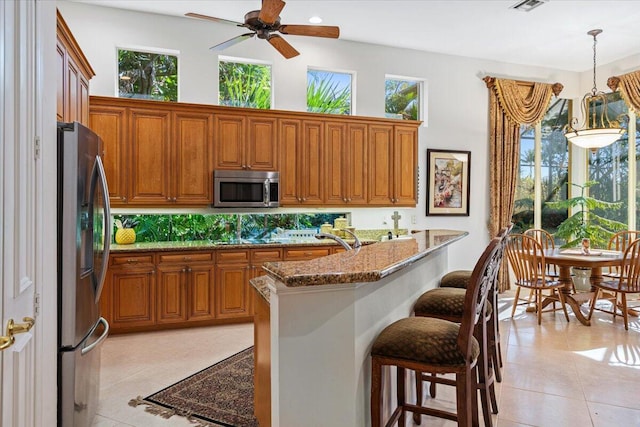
(220, 395)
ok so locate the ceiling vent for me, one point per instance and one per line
(527, 5)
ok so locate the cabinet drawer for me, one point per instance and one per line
(186, 257)
(307, 253)
(131, 259)
(263, 255)
(223, 257)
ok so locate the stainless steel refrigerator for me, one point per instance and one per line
(83, 251)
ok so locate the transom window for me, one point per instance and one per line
(402, 98)
(244, 84)
(147, 75)
(329, 92)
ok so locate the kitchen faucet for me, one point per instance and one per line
(334, 237)
(357, 243)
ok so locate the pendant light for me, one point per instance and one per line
(598, 130)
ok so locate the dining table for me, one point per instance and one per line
(565, 259)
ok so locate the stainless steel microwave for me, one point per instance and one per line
(246, 189)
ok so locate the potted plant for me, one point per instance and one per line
(585, 223)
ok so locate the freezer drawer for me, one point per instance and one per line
(79, 379)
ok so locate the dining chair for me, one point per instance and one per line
(547, 241)
(526, 258)
(627, 283)
(620, 242)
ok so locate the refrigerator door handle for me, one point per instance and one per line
(101, 338)
(107, 227)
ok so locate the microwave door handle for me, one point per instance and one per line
(266, 194)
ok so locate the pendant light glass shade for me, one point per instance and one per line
(598, 130)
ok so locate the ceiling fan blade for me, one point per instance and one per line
(282, 46)
(231, 42)
(311, 30)
(212, 18)
(270, 11)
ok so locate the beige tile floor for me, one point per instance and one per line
(557, 374)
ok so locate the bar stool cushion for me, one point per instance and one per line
(423, 339)
(443, 302)
(456, 279)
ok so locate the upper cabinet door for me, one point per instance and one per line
(110, 123)
(150, 156)
(381, 164)
(405, 165)
(357, 162)
(290, 131)
(310, 169)
(229, 141)
(261, 152)
(337, 171)
(192, 158)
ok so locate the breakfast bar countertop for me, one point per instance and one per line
(366, 264)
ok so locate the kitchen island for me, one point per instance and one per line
(316, 321)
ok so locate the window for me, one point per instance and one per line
(329, 92)
(609, 166)
(147, 75)
(244, 84)
(402, 98)
(550, 172)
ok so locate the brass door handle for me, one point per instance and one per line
(13, 329)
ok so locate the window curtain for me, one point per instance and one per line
(511, 104)
(629, 85)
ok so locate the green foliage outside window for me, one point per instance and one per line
(219, 227)
(147, 75)
(402, 99)
(328, 92)
(244, 85)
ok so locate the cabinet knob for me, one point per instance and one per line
(304, 199)
(153, 271)
(124, 199)
(188, 269)
(187, 258)
(248, 166)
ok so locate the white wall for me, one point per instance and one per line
(457, 101)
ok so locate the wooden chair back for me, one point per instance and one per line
(620, 242)
(547, 242)
(526, 258)
(630, 277)
(483, 278)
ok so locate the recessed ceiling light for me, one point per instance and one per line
(315, 20)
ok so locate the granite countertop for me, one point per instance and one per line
(368, 264)
(208, 244)
(262, 283)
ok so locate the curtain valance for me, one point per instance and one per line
(629, 85)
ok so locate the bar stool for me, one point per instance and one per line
(447, 303)
(438, 346)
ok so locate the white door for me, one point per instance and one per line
(21, 194)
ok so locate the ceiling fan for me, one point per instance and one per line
(264, 22)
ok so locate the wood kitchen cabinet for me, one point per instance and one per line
(346, 166)
(393, 154)
(110, 123)
(302, 165)
(192, 154)
(246, 142)
(185, 287)
(128, 298)
(232, 283)
(73, 73)
(155, 154)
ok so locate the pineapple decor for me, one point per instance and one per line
(125, 234)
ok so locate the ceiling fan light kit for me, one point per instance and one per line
(598, 130)
(264, 22)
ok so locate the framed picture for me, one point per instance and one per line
(448, 182)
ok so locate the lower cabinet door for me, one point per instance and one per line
(133, 298)
(201, 292)
(172, 294)
(232, 291)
